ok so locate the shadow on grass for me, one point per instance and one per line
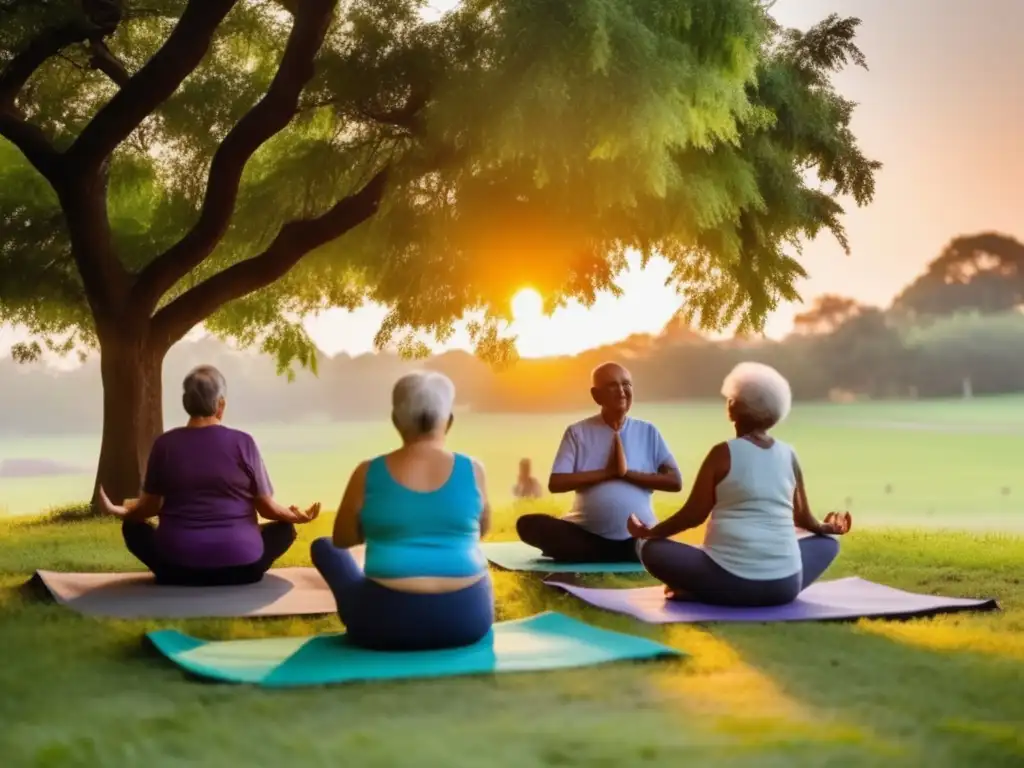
(956, 706)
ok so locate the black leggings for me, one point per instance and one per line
(691, 574)
(569, 543)
(140, 538)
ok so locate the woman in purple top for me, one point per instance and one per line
(206, 485)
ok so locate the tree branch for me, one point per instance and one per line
(106, 62)
(266, 119)
(106, 282)
(31, 140)
(152, 85)
(405, 116)
(46, 44)
(293, 241)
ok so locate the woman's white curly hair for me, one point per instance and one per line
(761, 393)
(422, 402)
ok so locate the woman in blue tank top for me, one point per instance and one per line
(421, 511)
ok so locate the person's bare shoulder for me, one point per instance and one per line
(478, 468)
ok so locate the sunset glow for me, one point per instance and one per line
(942, 177)
(527, 305)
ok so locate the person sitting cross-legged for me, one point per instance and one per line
(206, 485)
(421, 511)
(527, 486)
(613, 463)
(750, 490)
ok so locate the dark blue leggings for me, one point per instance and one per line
(385, 619)
(693, 575)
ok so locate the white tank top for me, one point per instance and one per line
(751, 532)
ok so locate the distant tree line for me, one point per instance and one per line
(956, 330)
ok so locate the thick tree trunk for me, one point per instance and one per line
(132, 411)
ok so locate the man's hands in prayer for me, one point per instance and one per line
(299, 517)
(617, 466)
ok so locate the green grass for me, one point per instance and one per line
(941, 692)
(929, 463)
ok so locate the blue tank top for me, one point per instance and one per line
(414, 533)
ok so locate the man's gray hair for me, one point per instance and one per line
(421, 402)
(202, 390)
(761, 391)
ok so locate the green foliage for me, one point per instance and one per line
(987, 349)
(40, 287)
(529, 143)
(982, 273)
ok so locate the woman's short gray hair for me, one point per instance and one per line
(421, 402)
(202, 390)
(761, 391)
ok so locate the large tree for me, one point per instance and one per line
(974, 273)
(240, 163)
(827, 314)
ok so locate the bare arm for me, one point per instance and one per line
(347, 530)
(485, 510)
(802, 516)
(564, 478)
(667, 478)
(146, 506)
(263, 501)
(702, 497)
(565, 482)
(269, 509)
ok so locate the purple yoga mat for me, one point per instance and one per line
(850, 598)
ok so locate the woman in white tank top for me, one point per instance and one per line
(751, 492)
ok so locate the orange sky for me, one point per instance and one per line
(942, 107)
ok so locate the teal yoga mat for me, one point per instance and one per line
(542, 642)
(517, 556)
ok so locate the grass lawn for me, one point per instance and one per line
(83, 692)
(927, 463)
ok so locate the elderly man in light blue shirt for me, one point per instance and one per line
(613, 463)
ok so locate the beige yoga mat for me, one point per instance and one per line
(282, 592)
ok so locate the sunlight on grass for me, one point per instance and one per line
(767, 695)
(736, 699)
(951, 633)
(1008, 736)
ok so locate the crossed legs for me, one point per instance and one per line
(690, 573)
(140, 538)
(569, 543)
(385, 619)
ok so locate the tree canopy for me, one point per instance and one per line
(242, 163)
(982, 272)
(506, 143)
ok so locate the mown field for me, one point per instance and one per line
(939, 692)
(948, 464)
(942, 692)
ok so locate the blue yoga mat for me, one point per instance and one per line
(842, 599)
(517, 556)
(543, 642)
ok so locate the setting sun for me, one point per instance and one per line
(527, 305)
